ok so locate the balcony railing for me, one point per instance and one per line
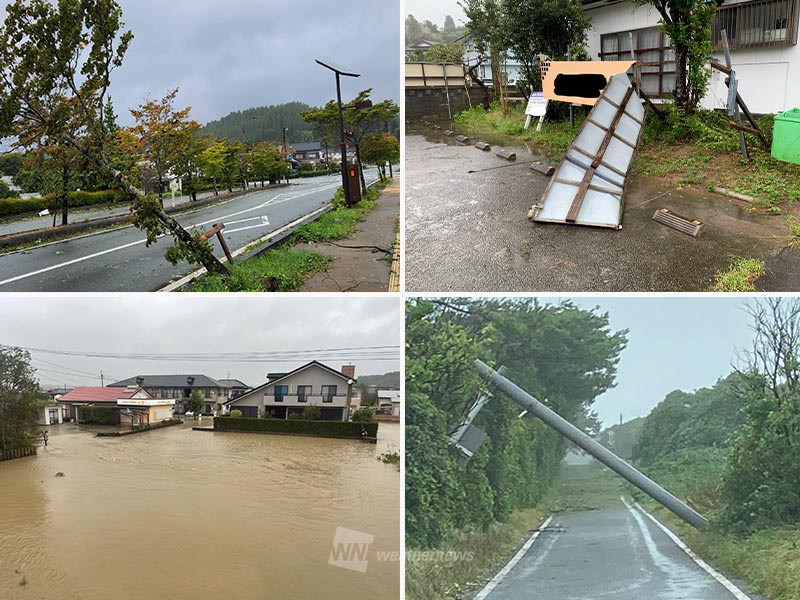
(756, 24)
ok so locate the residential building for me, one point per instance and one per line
(312, 153)
(235, 387)
(388, 402)
(179, 387)
(312, 384)
(762, 35)
(133, 404)
(51, 414)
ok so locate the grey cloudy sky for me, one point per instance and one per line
(674, 343)
(234, 55)
(152, 323)
(435, 11)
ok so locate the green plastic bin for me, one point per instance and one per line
(786, 136)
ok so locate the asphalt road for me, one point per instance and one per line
(611, 553)
(118, 260)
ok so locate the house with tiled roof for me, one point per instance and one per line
(131, 405)
(312, 384)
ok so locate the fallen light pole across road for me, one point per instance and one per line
(597, 450)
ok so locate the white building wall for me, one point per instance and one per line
(769, 78)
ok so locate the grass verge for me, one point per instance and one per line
(700, 150)
(740, 276)
(768, 560)
(285, 268)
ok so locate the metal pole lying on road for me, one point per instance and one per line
(600, 452)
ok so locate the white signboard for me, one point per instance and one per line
(537, 105)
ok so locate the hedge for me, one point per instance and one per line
(98, 415)
(321, 428)
(19, 206)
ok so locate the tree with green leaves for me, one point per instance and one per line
(267, 163)
(212, 162)
(449, 25)
(486, 24)
(56, 62)
(413, 30)
(363, 415)
(194, 403)
(358, 122)
(159, 137)
(378, 149)
(20, 399)
(687, 24)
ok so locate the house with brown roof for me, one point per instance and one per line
(131, 405)
(312, 384)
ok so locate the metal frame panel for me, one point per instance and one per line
(589, 185)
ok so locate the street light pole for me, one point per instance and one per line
(343, 145)
(286, 151)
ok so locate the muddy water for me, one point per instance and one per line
(180, 514)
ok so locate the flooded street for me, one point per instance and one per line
(179, 514)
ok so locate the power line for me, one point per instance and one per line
(371, 353)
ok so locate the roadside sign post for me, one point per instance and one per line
(537, 107)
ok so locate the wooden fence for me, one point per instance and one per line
(17, 453)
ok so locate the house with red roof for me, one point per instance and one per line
(132, 405)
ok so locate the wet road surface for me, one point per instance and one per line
(118, 260)
(187, 515)
(614, 553)
(468, 231)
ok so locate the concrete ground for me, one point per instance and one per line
(467, 230)
(614, 553)
(358, 265)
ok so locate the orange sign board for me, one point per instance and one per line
(579, 82)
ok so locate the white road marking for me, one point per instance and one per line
(719, 577)
(142, 241)
(514, 560)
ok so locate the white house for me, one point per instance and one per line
(312, 384)
(762, 35)
(389, 402)
(51, 414)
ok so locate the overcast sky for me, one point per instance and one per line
(674, 343)
(234, 55)
(184, 323)
(435, 11)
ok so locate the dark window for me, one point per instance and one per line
(756, 24)
(328, 392)
(281, 391)
(207, 392)
(303, 392)
(650, 47)
(251, 412)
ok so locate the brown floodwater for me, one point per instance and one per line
(180, 514)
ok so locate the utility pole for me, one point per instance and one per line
(592, 446)
(102, 380)
(347, 73)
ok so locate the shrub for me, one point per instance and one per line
(19, 206)
(312, 413)
(98, 415)
(295, 416)
(301, 426)
(236, 413)
(363, 415)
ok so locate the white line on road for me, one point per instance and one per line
(721, 579)
(514, 560)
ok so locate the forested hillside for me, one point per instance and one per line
(388, 380)
(560, 353)
(622, 438)
(264, 124)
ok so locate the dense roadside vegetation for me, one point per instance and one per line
(733, 452)
(20, 399)
(558, 352)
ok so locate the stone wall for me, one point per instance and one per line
(431, 102)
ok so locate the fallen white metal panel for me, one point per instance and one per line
(588, 186)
